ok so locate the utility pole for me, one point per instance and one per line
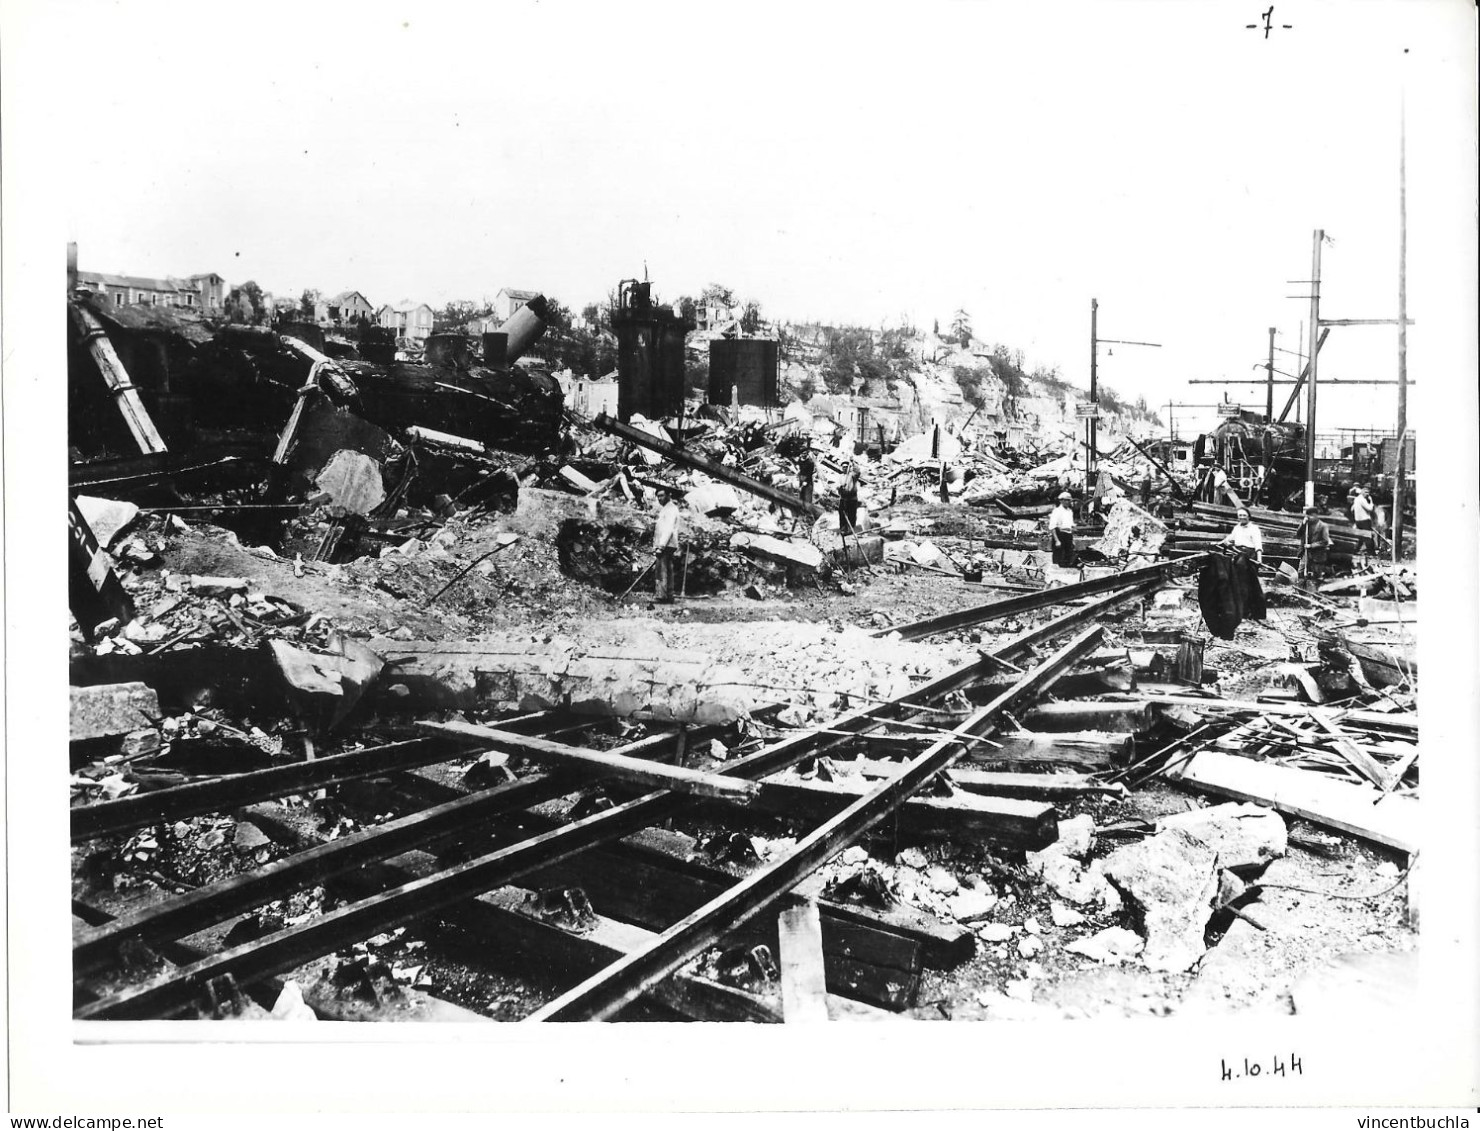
(1400, 470)
(1315, 349)
(1269, 372)
(1095, 341)
(1092, 465)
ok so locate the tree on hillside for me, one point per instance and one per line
(557, 314)
(244, 304)
(937, 328)
(311, 297)
(750, 317)
(806, 388)
(961, 328)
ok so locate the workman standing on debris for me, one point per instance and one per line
(665, 550)
(1061, 532)
(1245, 538)
(1146, 491)
(807, 473)
(945, 482)
(1363, 510)
(848, 501)
(1315, 543)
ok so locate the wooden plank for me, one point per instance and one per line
(1121, 718)
(215, 794)
(1002, 784)
(1366, 765)
(1090, 749)
(873, 955)
(1397, 723)
(125, 393)
(493, 926)
(292, 946)
(803, 983)
(653, 775)
(602, 996)
(1029, 825)
(1393, 820)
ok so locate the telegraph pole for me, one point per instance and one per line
(1315, 349)
(1092, 466)
(1400, 470)
(1092, 459)
(1269, 372)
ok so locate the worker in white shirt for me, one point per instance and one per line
(1363, 511)
(665, 549)
(1061, 532)
(1245, 538)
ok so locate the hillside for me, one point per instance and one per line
(909, 380)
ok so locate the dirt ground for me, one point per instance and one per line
(800, 644)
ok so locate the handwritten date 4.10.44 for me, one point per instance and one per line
(1245, 1068)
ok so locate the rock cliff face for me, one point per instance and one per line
(942, 382)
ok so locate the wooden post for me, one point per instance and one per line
(1315, 349)
(1269, 384)
(803, 980)
(1400, 469)
(1094, 390)
(125, 393)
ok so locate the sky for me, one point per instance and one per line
(866, 163)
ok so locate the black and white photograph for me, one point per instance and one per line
(888, 532)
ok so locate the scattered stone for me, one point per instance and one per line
(1032, 926)
(855, 854)
(1113, 944)
(1029, 945)
(1243, 835)
(1064, 916)
(996, 932)
(1076, 836)
(1021, 990)
(290, 1005)
(911, 858)
(1172, 878)
(217, 586)
(972, 903)
(941, 880)
(112, 710)
(249, 836)
(719, 751)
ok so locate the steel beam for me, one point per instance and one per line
(604, 994)
(296, 945)
(685, 458)
(1161, 572)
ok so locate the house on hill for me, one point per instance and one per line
(344, 309)
(509, 300)
(206, 293)
(416, 320)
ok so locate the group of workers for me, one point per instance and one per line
(1245, 539)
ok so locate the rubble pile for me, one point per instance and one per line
(391, 700)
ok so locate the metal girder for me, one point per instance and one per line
(213, 794)
(1159, 572)
(190, 912)
(686, 458)
(602, 995)
(296, 945)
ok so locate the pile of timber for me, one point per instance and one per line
(1355, 771)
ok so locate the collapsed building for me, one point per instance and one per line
(373, 716)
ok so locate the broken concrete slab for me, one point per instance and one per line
(326, 687)
(108, 518)
(802, 554)
(510, 671)
(1243, 835)
(1076, 837)
(1112, 945)
(1171, 878)
(112, 710)
(352, 482)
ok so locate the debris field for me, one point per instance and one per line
(378, 713)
